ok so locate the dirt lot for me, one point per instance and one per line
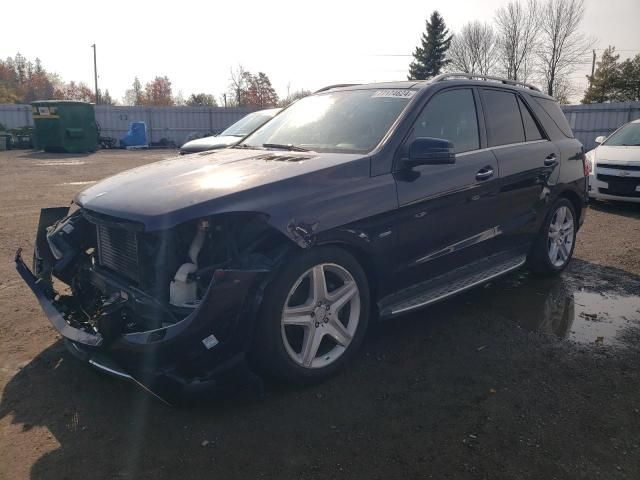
(524, 378)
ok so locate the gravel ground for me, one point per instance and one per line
(522, 379)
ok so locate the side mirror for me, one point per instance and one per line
(430, 151)
(600, 139)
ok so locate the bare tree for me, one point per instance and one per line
(239, 85)
(564, 90)
(562, 45)
(474, 49)
(518, 25)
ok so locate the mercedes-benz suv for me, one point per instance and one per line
(359, 202)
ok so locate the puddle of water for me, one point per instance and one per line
(553, 307)
(49, 163)
(601, 317)
(77, 183)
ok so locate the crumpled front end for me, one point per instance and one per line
(170, 310)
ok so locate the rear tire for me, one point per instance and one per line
(553, 247)
(314, 316)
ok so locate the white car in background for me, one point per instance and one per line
(614, 165)
(232, 134)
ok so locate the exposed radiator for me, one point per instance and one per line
(118, 251)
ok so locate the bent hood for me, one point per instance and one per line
(279, 184)
(618, 155)
(209, 143)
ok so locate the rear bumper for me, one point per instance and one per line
(167, 362)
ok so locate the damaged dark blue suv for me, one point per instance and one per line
(355, 203)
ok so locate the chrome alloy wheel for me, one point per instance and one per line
(320, 315)
(561, 236)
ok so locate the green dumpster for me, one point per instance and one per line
(64, 126)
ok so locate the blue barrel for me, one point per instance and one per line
(136, 136)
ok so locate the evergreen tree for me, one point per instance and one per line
(604, 84)
(629, 82)
(430, 57)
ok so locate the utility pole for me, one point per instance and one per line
(95, 73)
(224, 95)
(593, 69)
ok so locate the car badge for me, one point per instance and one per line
(623, 173)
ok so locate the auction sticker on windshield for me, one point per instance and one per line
(394, 93)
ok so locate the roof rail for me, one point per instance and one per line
(475, 76)
(337, 85)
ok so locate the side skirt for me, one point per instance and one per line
(450, 284)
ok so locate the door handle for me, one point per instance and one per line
(484, 173)
(551, 160)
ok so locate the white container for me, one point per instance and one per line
(183, 294)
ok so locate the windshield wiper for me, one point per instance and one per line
(244, 145)
(282, 146)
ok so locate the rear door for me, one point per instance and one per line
(446, 213)
(527, 161)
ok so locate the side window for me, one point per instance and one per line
(502, 116)
(451, 115)
(552, 109)
(531, 130)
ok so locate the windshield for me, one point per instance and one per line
(352, 121)
(247, 124)
(629, 135)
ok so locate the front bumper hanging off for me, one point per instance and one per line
(75, 336)
(156, 360)
(54, 315)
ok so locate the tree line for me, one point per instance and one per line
(536, 41)
(246, 89)
(24, 81)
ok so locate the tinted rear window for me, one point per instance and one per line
(502, 116)
(531, 130)
(555, 112)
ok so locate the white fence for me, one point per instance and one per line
(172, 123)
(15, 116)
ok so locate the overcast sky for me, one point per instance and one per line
(296, 44)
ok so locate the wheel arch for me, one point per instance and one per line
(575, 200)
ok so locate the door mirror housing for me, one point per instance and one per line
(600, 139)
(430, 151)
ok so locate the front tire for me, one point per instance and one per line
(314, 316)
(554, 245)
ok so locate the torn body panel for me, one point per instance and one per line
(126, 318)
